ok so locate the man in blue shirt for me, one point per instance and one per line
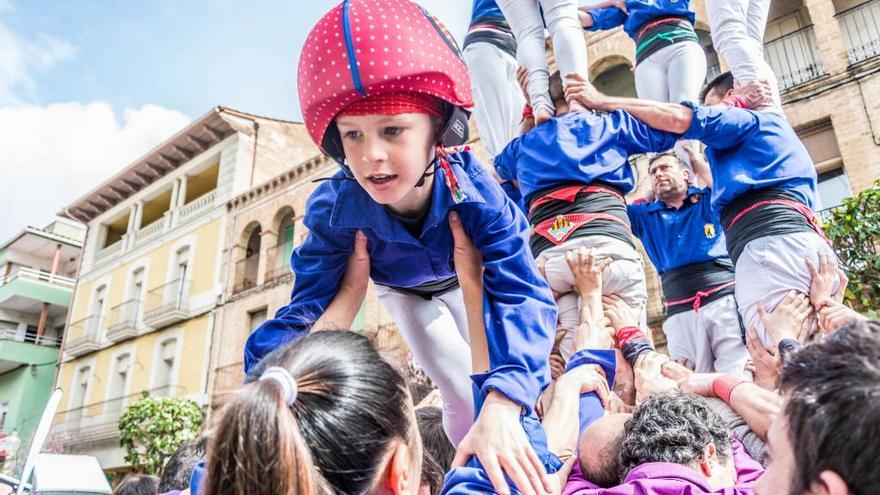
(683, 238)
(764, 186)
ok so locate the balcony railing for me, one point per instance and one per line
(278, 263)
(794, 58)
(13, 335)
(124, 320)
(150, 231)
(861, 30)
(25, 273)
(108, 252)
(85, 336)
(197, 207)
(167, 304)
(75, 428)
(246, 271)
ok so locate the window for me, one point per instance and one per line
(80, 387)
(119, 377)
(30, 334)
(165, 367)
(181, 273)
(256, 317)
(136, 298)
(833, 188)
(97, 312)
(4, 409)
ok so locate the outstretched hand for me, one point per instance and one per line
(501, 445)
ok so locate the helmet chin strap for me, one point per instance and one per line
(438, 152)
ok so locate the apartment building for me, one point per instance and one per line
(144, 308)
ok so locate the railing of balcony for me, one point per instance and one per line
(39, 276)
(861, 30)
(150, 231)
(100, 419)
(85, 331)
(246, 271)
(13, 335)
(794, 58)
(197, 207)
(278, 262)
(172, 296)
(109, 251)
(125, 314)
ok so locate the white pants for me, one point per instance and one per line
(498, 101)
(436, 332)
(624, 277)
(711, 338)
(673, 74)
(737, 28)
(569, 47)
(771, 266)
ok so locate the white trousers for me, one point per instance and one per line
(673, 74)
(436, 332)
(711, 338)
(498, 101)
(569, 47)
(625, 276)
(737, 28)
(771, 266)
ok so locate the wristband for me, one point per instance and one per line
(736, 102)
(627, 334)
(723, 386)
(527, 112)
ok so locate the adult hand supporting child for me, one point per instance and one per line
(341, 312)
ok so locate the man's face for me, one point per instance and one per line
(668, 178)
(780, 458)
(715, 97)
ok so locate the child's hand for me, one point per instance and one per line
(502, 447)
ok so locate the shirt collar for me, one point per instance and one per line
(657, 205)
(354, 208)
(667, 470)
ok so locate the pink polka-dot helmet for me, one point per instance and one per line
(364, 48)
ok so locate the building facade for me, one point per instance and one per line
(144, 308)
(37, 276)
(826, 55)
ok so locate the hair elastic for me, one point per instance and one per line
(285, 379)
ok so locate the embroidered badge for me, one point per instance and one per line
(709, 230)
(560, 227)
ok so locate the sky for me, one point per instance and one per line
(86, 87)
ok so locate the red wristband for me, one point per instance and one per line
(527, 112)
(723, 386)
(626, 334)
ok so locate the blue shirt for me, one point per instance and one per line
(678, 237)
(485, 8)
(748, 151)
(472, 479)
(520, 313)
(640, 12)
(579, 147)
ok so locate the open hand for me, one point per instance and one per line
(824, 278)
(763, 364)
(785, 321)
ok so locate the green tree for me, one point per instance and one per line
(854, 229)
(152, 428)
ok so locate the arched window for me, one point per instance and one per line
(119, 377)
(616, 80)
(246, 269)
(165, 367)
(279, 254)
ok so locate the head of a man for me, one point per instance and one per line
(669, 177)
(716, 90)
(827, 438)
(680, 429)
(599, 450)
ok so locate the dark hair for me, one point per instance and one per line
(665, 154)
(179, 467)
(138, 484)
(675, 428)
(607, 472)
(722, 83)
(556, 89)
(437, 450)
(833, 408)
(350, 405)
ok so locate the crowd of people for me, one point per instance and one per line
(517, 284)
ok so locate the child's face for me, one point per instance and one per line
(388, 155)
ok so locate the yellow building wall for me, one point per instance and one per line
(191, 358)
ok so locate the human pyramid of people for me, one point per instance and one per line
(517, 285)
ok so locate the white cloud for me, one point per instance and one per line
(22, 58)
(51, 155)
